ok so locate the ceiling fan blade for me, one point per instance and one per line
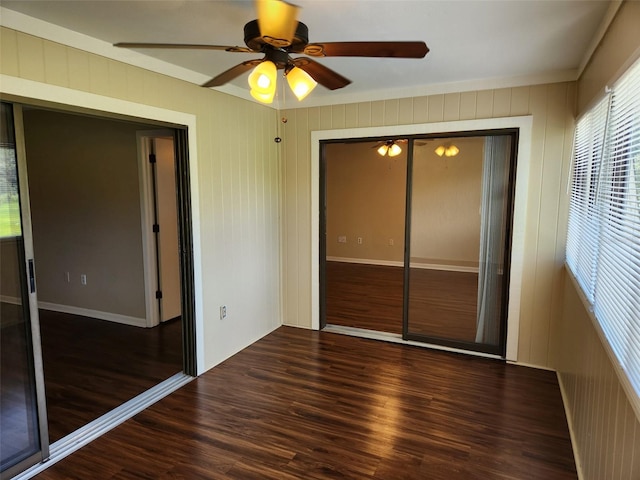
(321, 74)
(232, 73)
(278, 21)
(195, 46)
(367, 49)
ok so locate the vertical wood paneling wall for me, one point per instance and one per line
(239, 180)
(552, 109)
(606, 431)
(605, 428)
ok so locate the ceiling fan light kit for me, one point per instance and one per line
(300, 82)
(262, 81)
(447, 150)
(389, 148)
(277, 33)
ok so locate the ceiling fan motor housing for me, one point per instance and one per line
(255, 41)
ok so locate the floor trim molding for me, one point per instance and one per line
(397, 338)
(394, 263)
(81, 437)
(86, 312)
(572, 434)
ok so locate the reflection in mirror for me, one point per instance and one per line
(451, 198)
(459, 216)
(365, 221)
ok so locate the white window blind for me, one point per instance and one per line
(582, 236)
(603, 242)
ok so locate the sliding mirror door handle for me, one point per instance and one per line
(32, 277)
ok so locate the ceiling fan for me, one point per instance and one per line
(277, 34)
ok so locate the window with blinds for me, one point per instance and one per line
(603, 239)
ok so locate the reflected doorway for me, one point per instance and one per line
(98, 348)
(72, 292)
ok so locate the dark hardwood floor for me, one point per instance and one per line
(442, 304)
(92, 366)
(301, 404)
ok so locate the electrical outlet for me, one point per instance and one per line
(359, 240)
(223, 312)
(391, 242)
(83, 279)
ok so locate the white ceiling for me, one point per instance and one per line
(474, 44)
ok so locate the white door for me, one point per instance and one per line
(168, 245)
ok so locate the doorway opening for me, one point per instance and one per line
(418, 245)
(95, 348)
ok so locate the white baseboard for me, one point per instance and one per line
(11, 300)
(567, 414)
(395, 263)
(531, 365)
(445, 268)
(367, 261)
(85, 312)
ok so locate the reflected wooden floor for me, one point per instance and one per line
(441, 304)
(364, 296)
(301, 404)
(92, 366)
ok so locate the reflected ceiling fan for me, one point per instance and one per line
(392, 146)
(277, 33)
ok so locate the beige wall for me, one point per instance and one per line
(551, 107)
(445, 204)
(365, 198)
(616, 50)
(85, 210)
(238, 179)
(605, 428)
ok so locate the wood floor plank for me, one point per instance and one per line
(301, 404)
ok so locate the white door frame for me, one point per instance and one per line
(150, 264)
(523, 124)
(29, 91)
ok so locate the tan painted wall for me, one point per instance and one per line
(606, 431)
(552, 109)
(445, 211)
(238, 177)
(85, 210)
(366, 198)
(616, 50)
